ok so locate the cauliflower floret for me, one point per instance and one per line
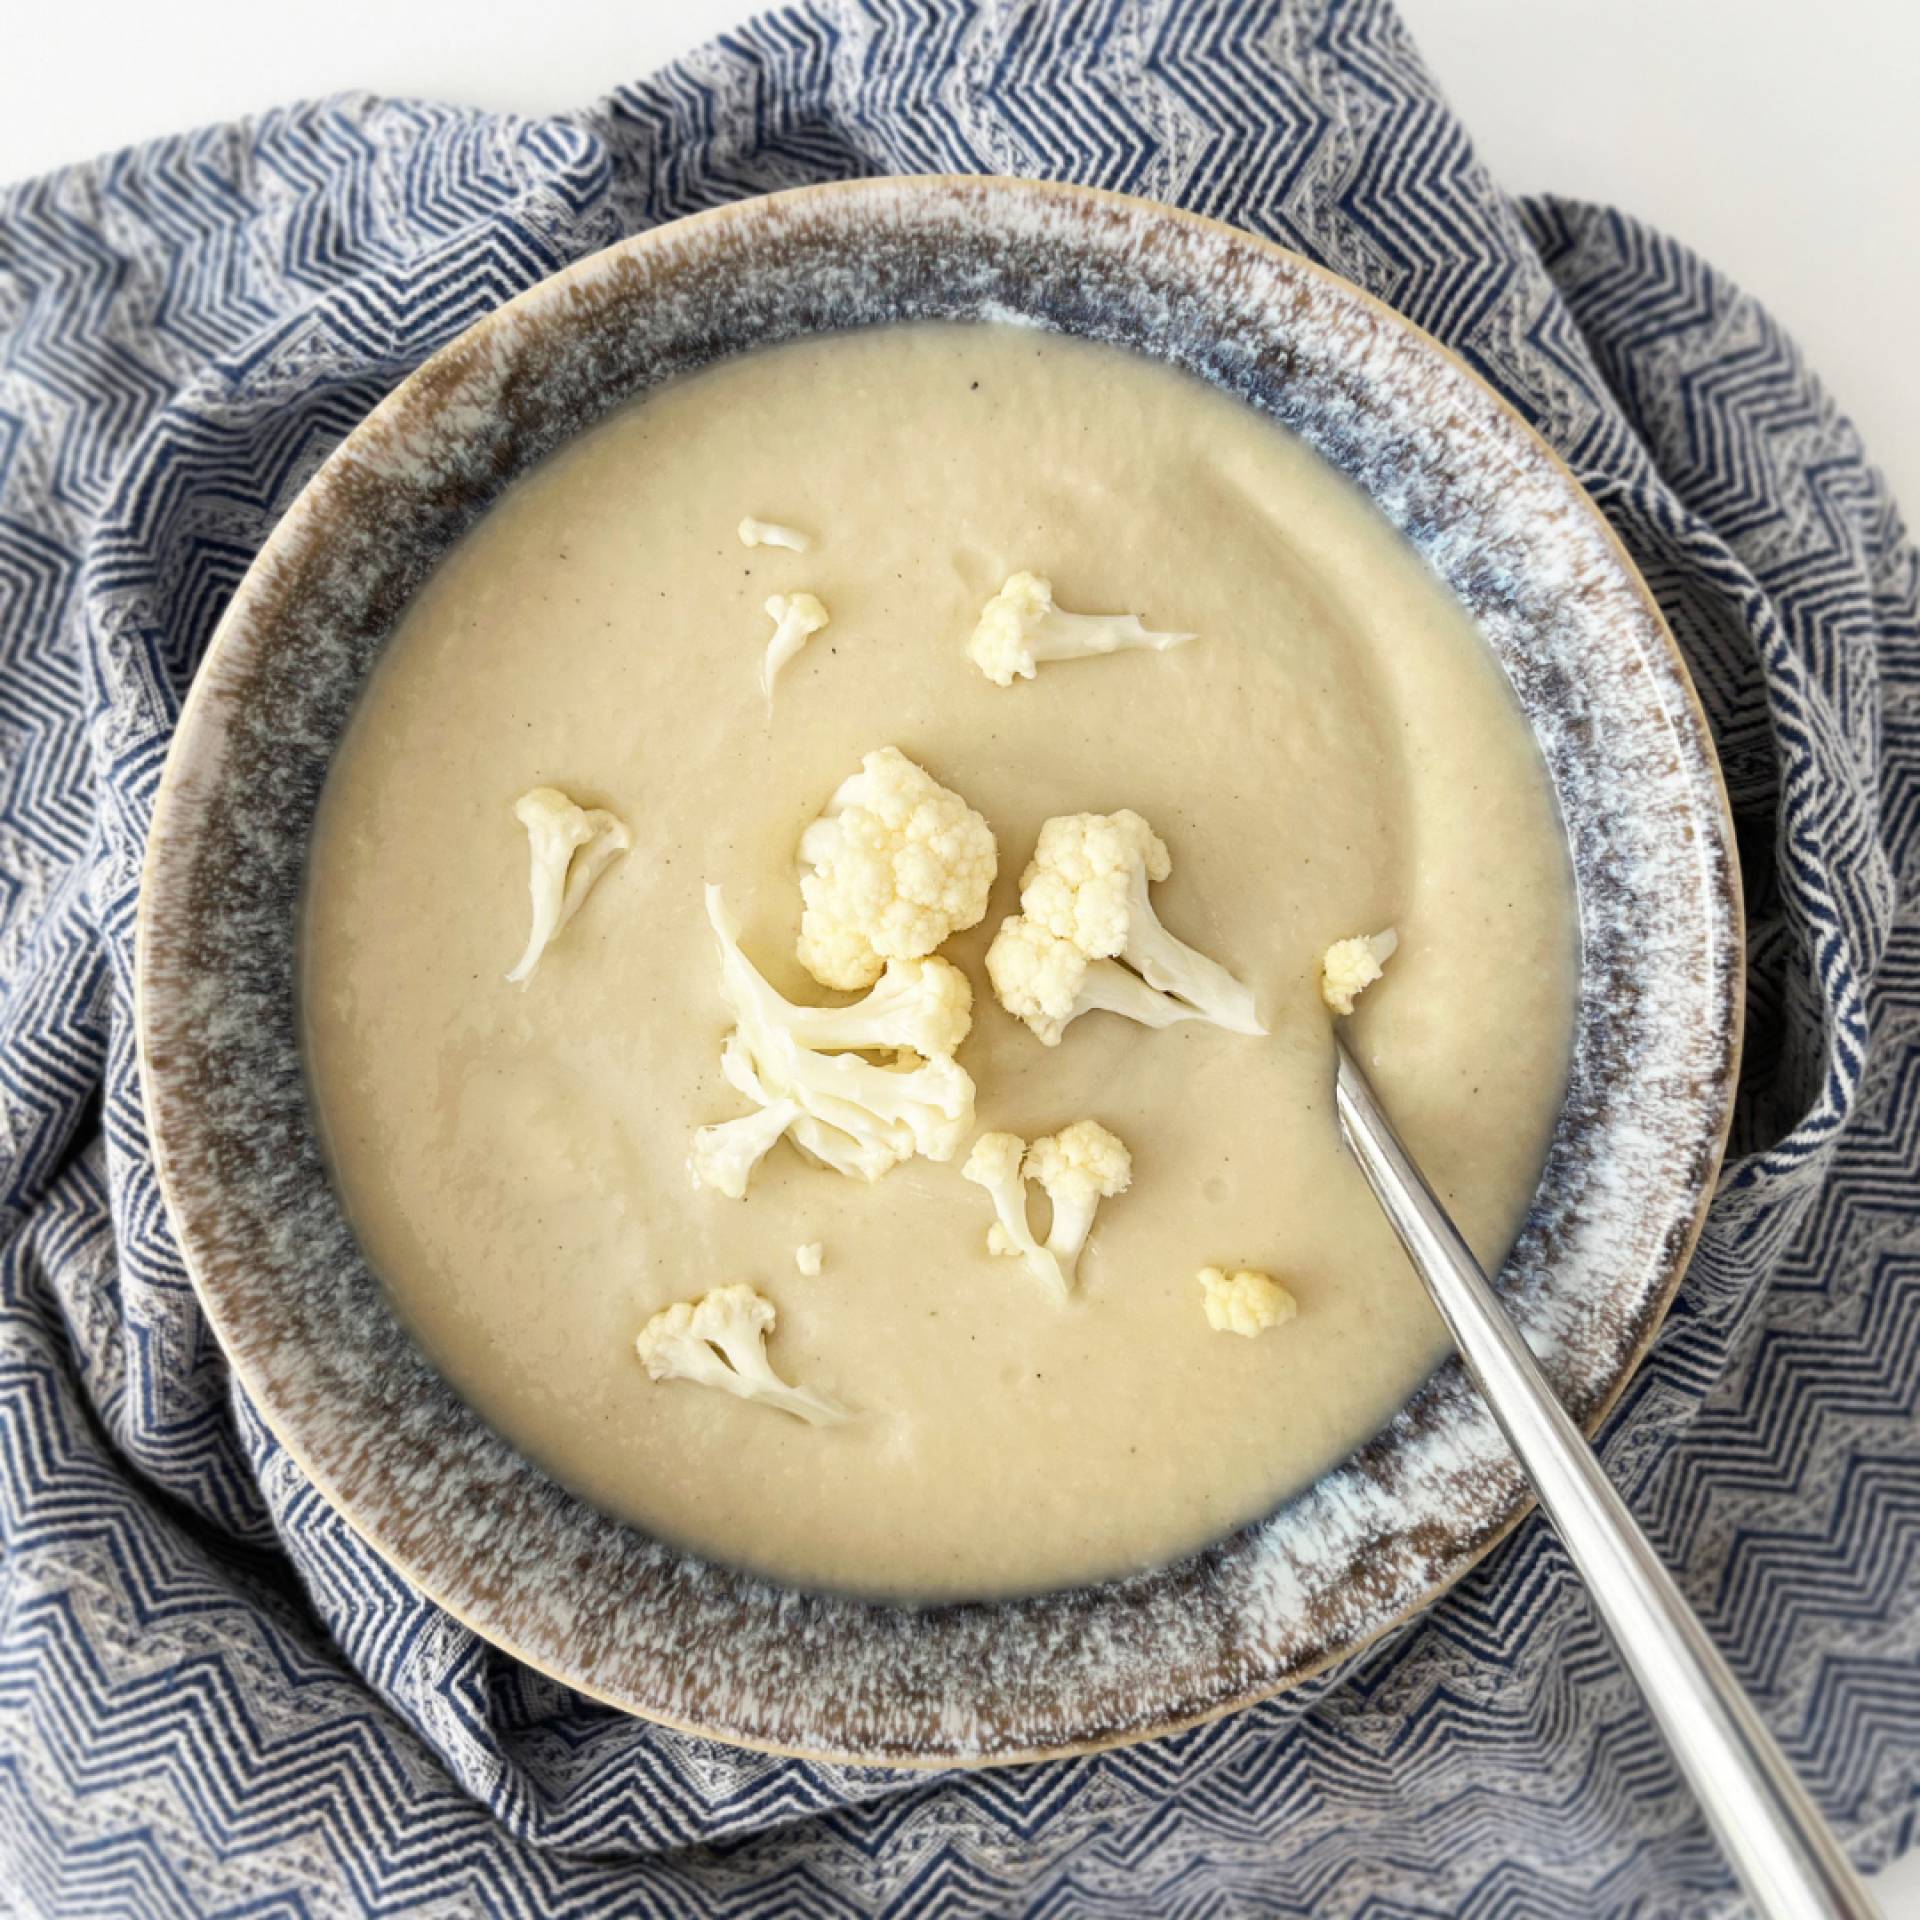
(810, 1258)
(1351, 966)
(1020, 626)
(1087, 886)
(1049, 982)
(995, 1163)
(859, 1116)
(1079, 883)
(894, 867)
(724, 1156)
(569, 846)
(770, 533)
(679, 1343)
(1245, 1302)
(796, 618)
(1078, 1167)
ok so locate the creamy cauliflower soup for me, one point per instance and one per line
(749, 635)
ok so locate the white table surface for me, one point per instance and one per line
(1779, 140)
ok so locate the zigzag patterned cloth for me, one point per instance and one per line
(214, 1700)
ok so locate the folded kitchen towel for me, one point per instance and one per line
(215, 1700)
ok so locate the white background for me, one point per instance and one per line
(1779, 139)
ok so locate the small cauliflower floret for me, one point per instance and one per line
(725, 1156)
(1351, 966)
(995, 1163)
(1049, 982)
(810, 1258)
(1020, 627)
(894, 867)
(569, 847)
(861, 1117)
(1245, 1302)
(1087, 885)
(770, 533)
(721, 1341)
(1077, 1167)
(796, 618)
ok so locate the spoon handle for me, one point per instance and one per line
(1787, 1857)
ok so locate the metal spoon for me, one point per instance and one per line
(1785, 1854)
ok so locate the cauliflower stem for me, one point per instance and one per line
(720, 1341)
(1169, 965)
(1109, 988)
(865, 1158)
(921, 1006)
(859, 1116)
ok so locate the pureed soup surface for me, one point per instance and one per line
(1336, 753)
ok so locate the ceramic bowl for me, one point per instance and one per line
(600, 1605)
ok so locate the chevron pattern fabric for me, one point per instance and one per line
(215, 1701)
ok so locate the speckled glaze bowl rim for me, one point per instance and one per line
(999, 197)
